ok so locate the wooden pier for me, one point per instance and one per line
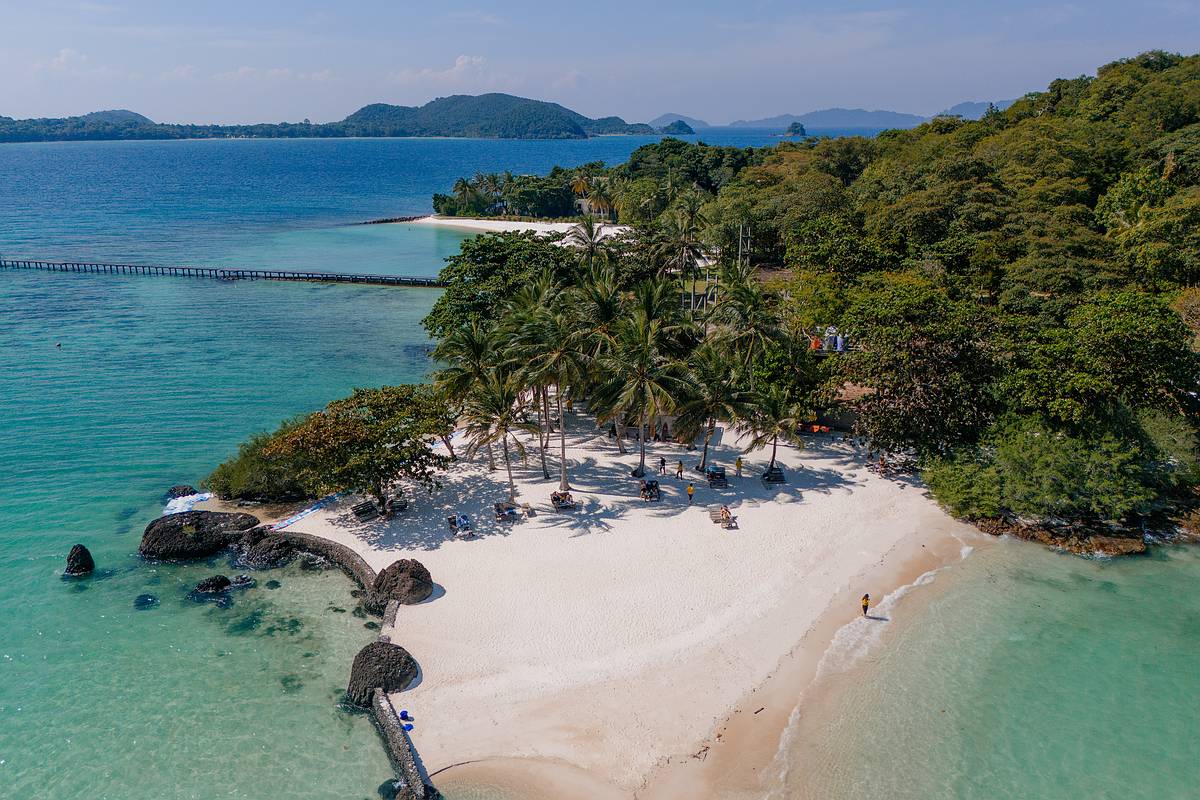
(220, 274)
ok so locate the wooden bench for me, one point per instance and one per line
(365, 510)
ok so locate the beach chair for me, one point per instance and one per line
(562, 501)
(714, 514)
(459, 523)
(505, 512)
(365, 511)
(773, 476)
(730, 524)
(716, 477)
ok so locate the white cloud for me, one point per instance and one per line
(467, 71)
(68, 60)
(182, 72)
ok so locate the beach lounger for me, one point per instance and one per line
(561, 501)
(716, 477)
(459, 523)
(714, 513)
(773, 476)
(505, 512)
(365, 510)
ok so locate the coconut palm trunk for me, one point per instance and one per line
(544, 435)
(642, 439)
(449, 446)
(512, 486)
(563, 484)
(774, 450)
(712, 427)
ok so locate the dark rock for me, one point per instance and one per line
(241, 582)
(1081, 542)
(311, 563)
(371, 625)
(390, 789)
(273, 584)
(217, 583)
(405, 580)
(145, 602)
(79, 561)
(379, 665)
(181, 490)
(262, 550)
(193, 534)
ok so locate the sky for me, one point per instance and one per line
(269, 61)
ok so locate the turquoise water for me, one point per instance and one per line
(1020, 673)
(156, 380)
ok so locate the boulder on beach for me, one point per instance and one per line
(193, 534)
(260, 548)
(406, 580)
(217, 583)
(79, 561)
(181, 490)
(379, 665)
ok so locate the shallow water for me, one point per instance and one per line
(1019, 673)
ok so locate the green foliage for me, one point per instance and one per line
(365, 441)
(253, 474)
(488, 271)
(926, 359)
(965, 484)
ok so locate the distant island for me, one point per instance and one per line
(796, 129)
(677, 128)
(488, 116)
(861, 118)
(666, 119)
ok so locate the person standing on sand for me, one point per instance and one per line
(662, 465)
(866, 603)
(691, 491)
(679, 471)
(737, 465)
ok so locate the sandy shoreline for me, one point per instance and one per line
(624, 648)
(484, 225)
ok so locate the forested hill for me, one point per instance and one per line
(496, 116)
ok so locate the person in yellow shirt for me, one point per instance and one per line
(737, 465)
(691, 491)
(866, 603)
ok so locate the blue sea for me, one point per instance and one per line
(158, 379)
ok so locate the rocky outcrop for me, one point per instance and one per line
(193, 534)
(260, 548)
(79, 562)
(181, 490)
(145, 602)
(379, 665)
(406, 581)
(217, 583)
(1071, 540)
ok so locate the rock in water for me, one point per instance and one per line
(181, 490)
(79, 561)
(241, 582)
(260, 548)
(145, 602)
(217, 583)
(379, 665)
(193, 534)
(405, 580)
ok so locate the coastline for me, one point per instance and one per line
(606, 626)
(485, 225)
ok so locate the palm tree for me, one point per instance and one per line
(552, 350)
(468, 352)
(494, 415)
(638, 376)
(521, 310)
(774, 415)
(679, 246)
(580, 184)
(713, 393)
(600, 198)
(463, 192)
(588, 236)
(744, 317)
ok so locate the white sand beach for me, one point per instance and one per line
(484, 225)
(631, 642)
